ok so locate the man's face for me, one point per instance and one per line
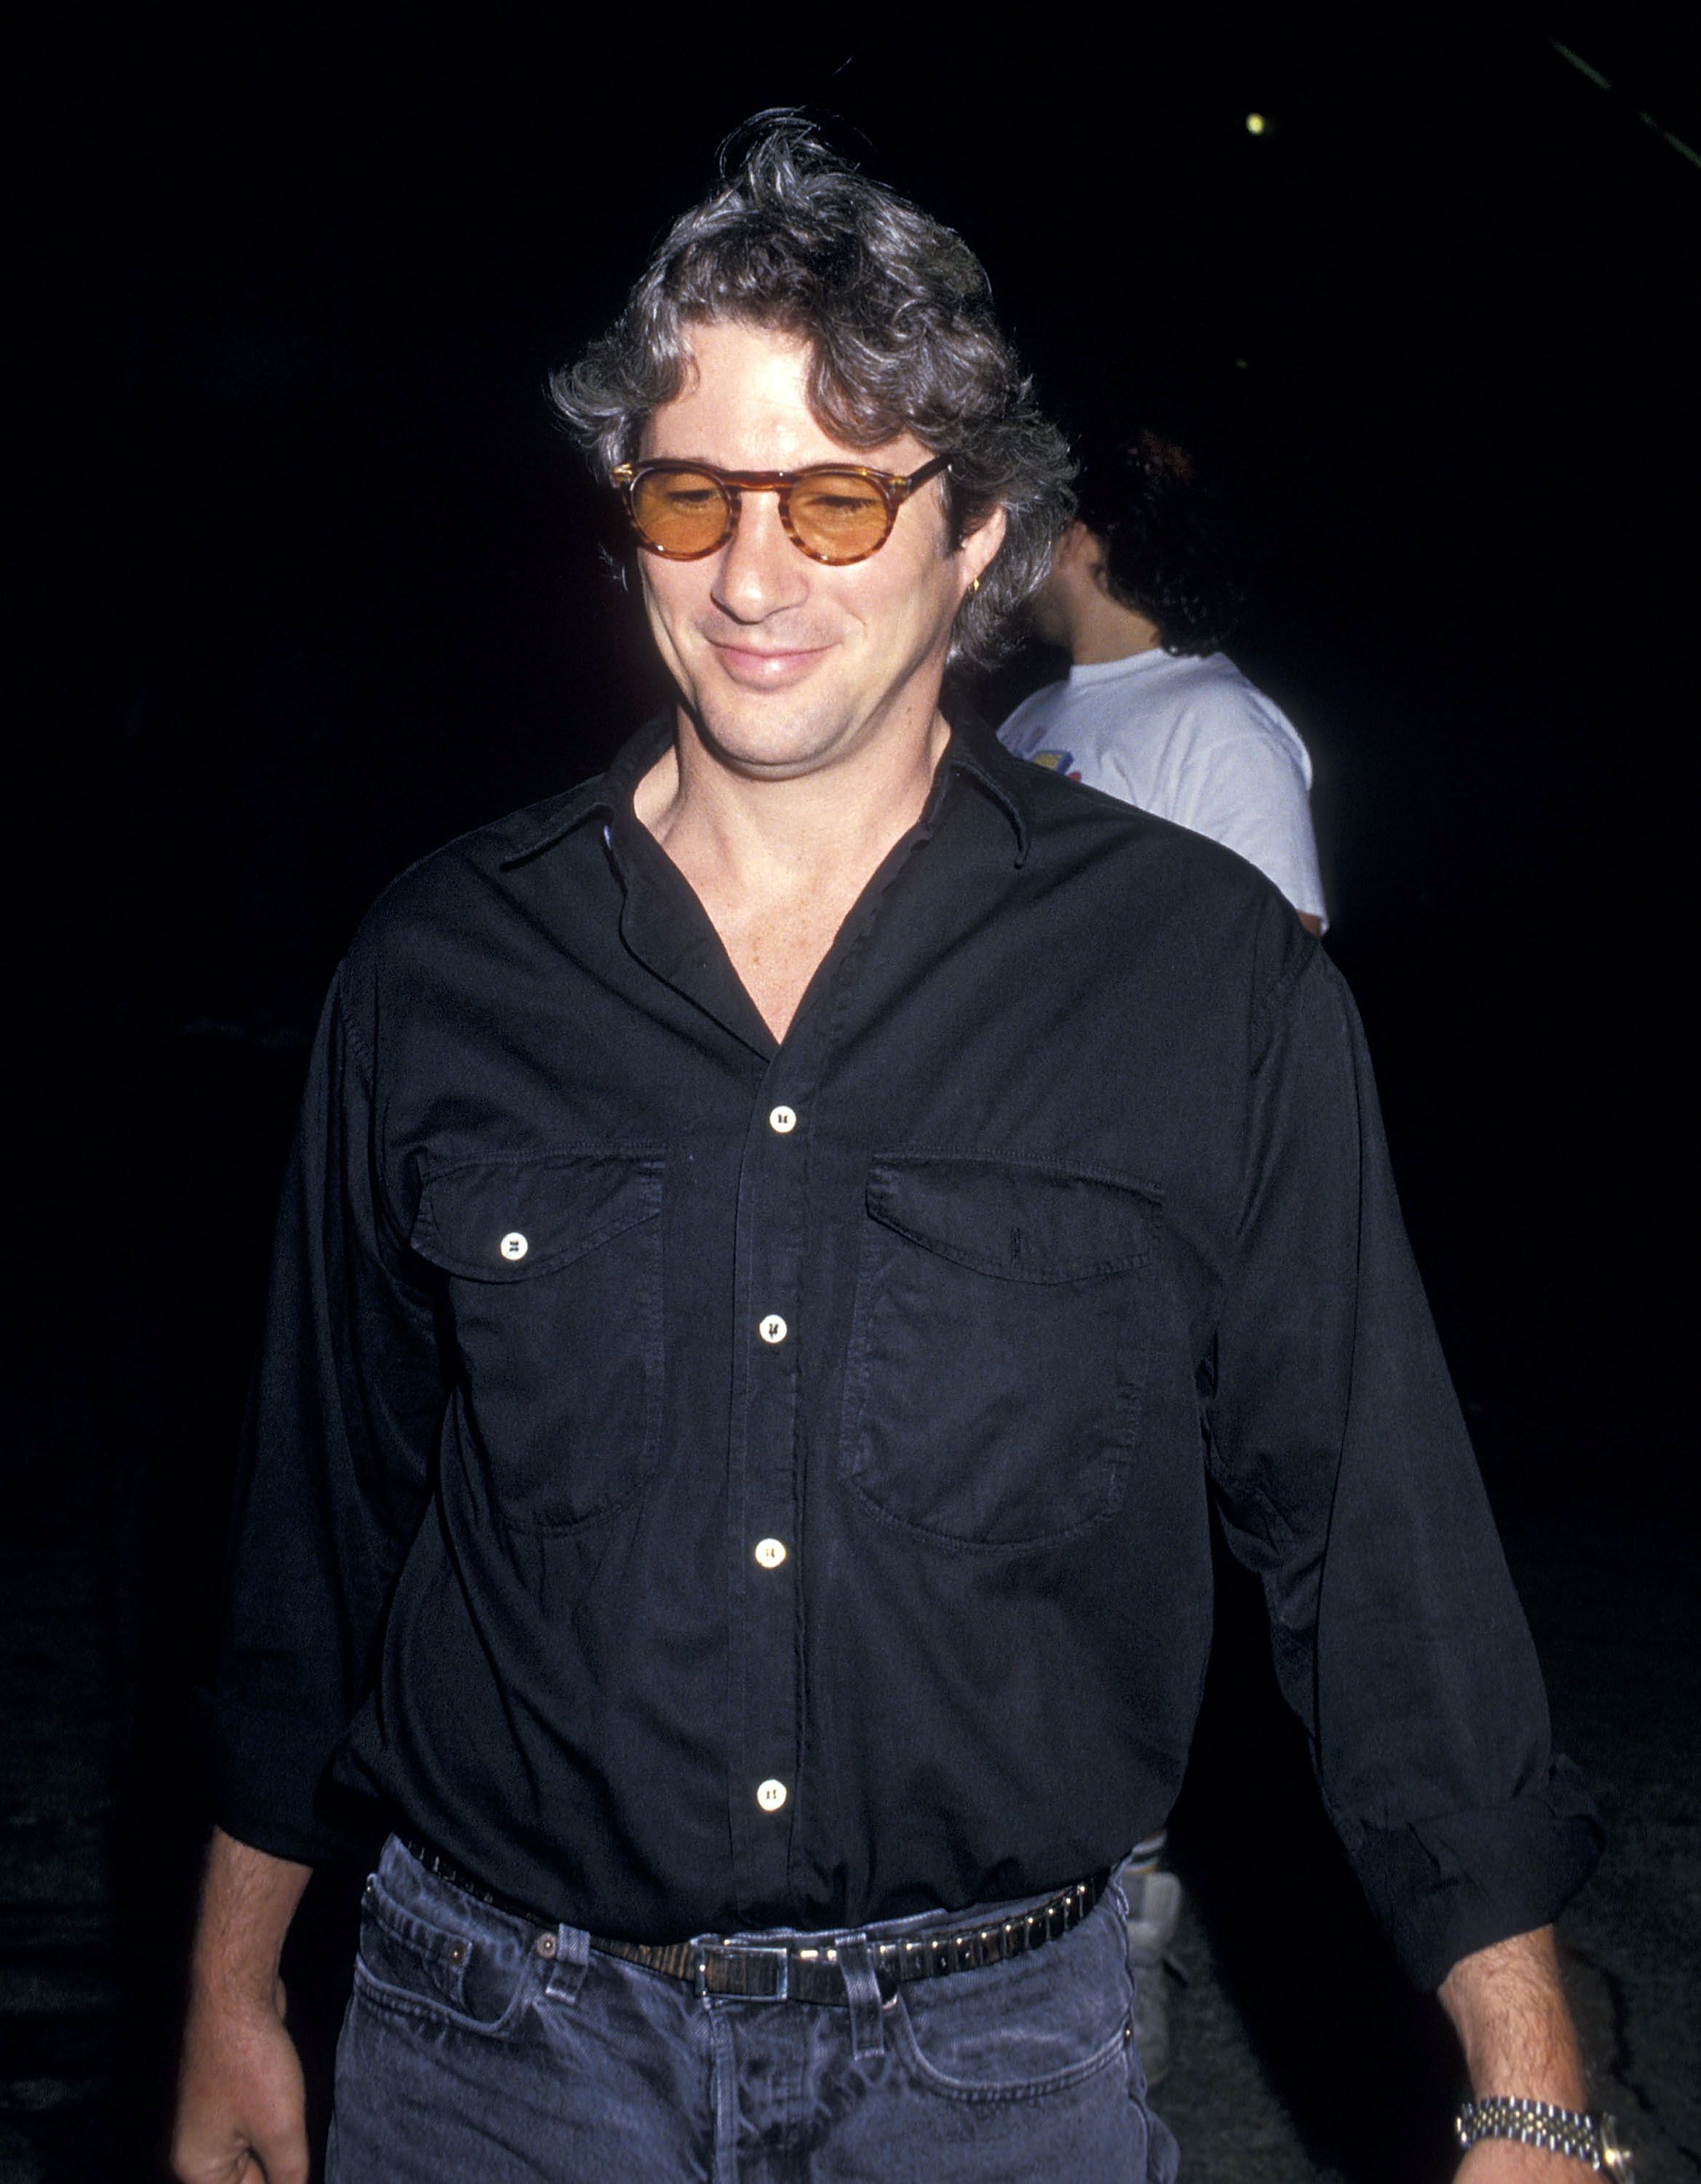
(790, 665)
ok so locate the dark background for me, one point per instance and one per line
(312, 577)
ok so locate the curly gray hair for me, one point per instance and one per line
(899, 314)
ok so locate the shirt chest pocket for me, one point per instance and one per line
(553, 1293)
(998, 1349)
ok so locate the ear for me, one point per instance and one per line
(981, 547)
(1090, 552)
(1076, 551)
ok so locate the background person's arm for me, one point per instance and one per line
(241, 2112)
(1509, 2011)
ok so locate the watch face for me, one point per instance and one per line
(1614, 2153)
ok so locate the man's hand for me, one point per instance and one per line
(241, 2108)
(1510, 2013)
(241, 2111)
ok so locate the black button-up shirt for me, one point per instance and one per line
(701, 1482)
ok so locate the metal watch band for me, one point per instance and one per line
(1593, 2140)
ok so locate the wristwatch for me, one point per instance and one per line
(1593, 2140)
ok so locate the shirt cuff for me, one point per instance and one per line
(266, 1779)
(1444, 1887)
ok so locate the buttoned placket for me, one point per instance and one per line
(764, 1497)
(768, 1629)
(765, 1563)
(766, 1569)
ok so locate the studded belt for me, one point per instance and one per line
(797, 1969)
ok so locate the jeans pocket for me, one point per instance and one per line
(429, 1967)
(1018, 2031)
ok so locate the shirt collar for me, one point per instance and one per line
(606, 793)
(974, 753)
(1151, 661)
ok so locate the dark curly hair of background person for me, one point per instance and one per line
(1169, 549)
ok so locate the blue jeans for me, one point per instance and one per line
(477, 2047)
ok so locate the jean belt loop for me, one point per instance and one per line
(862, 1992)
(568, 1952)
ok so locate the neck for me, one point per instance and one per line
(1102, 629)
(758, 832)
(777, 863)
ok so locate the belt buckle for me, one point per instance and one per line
(727, 1951)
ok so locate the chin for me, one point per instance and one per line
(792, 747)
(783, 729)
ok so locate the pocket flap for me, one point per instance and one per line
(506, 1220)
(1019, 1221)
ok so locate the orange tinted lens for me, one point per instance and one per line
(681, 511)
(839, 515)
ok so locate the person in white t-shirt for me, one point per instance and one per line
(1140, 597)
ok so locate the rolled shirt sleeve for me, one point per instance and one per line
(334, 1471)
(1347, 1482)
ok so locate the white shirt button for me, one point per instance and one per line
(782, 1119)
(772, 1329)
(770, 1795)
(770, 1553)
(513, 1246)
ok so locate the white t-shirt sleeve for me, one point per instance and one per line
(1249, 791)
(1190, 740)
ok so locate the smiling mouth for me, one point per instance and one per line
(765, 664)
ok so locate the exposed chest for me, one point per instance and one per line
(776, 943)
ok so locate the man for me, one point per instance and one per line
(1141, 597)
(768, 1280)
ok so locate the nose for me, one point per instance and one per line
(760, 571)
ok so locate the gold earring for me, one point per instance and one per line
(974, 588)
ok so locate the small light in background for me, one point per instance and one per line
(1256, 124)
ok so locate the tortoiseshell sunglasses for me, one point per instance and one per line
(833, 512)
